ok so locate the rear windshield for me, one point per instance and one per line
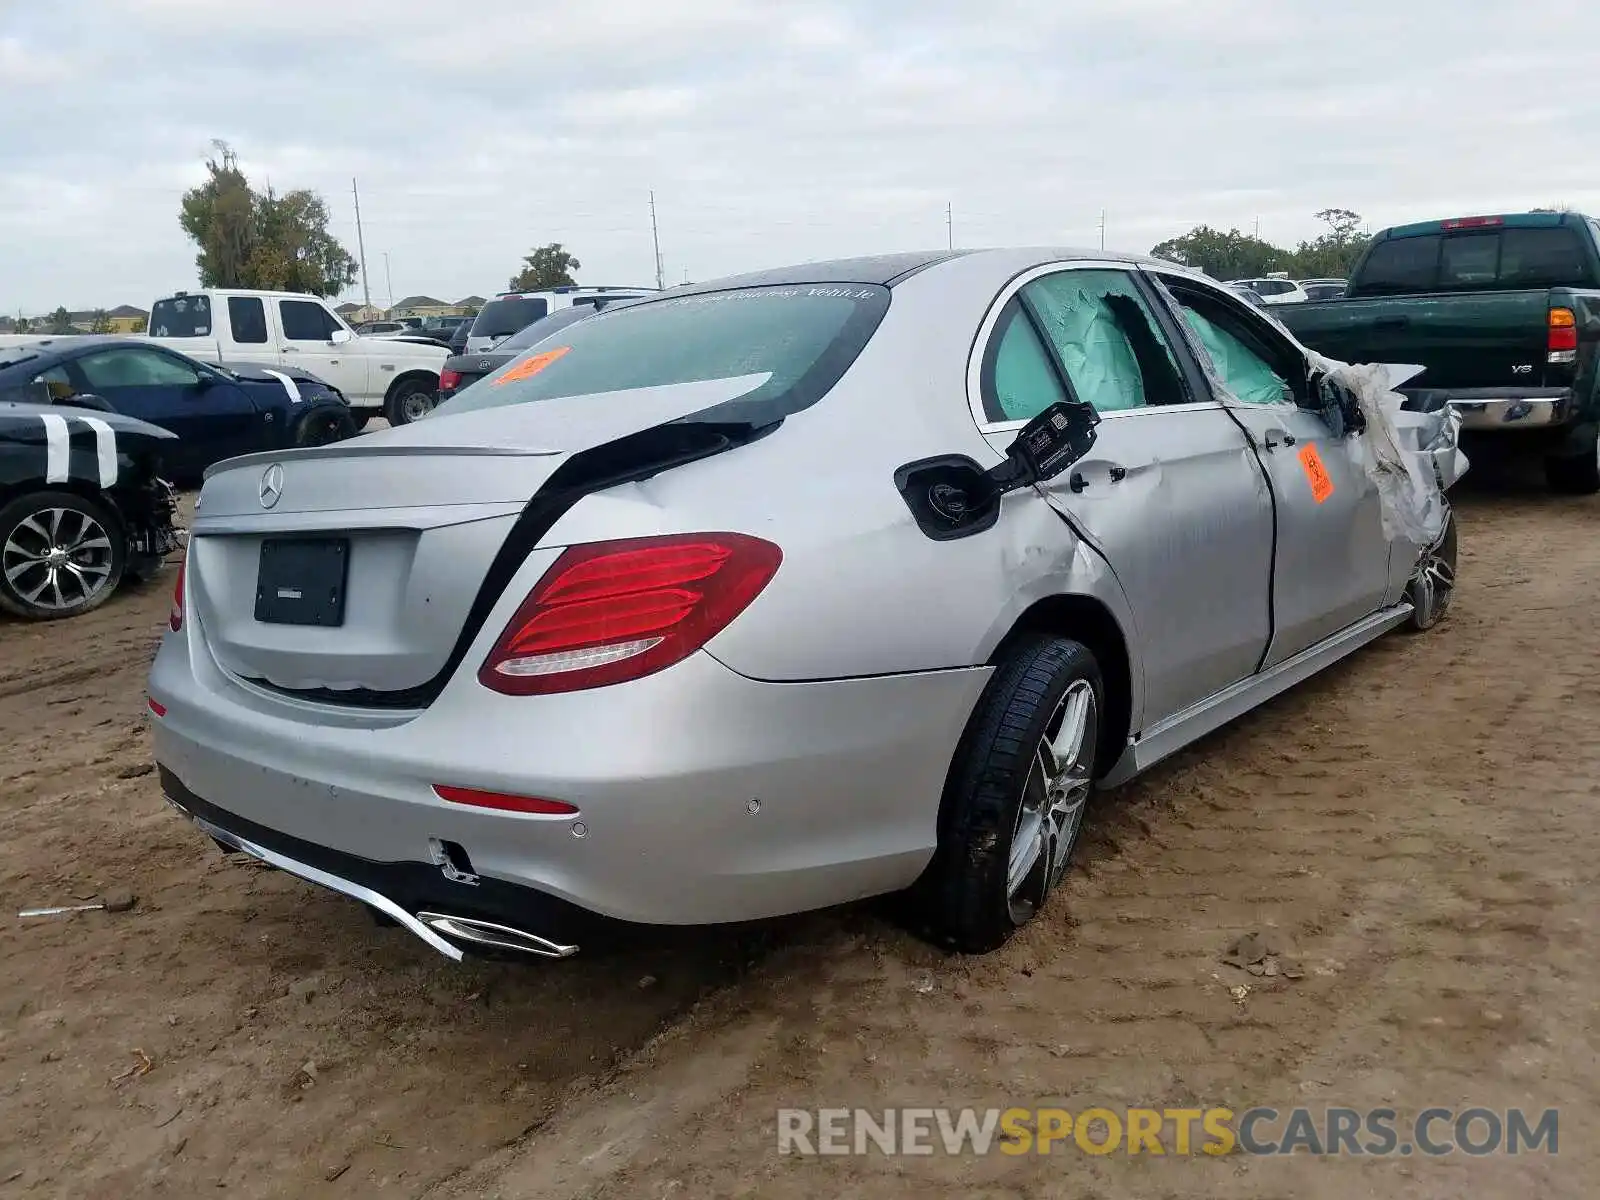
(802, 336)
(1502, 259)
(498, 318)
(181, 316)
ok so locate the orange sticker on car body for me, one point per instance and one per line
(1316, 474)
(531, 366)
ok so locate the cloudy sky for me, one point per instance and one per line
(771, 131)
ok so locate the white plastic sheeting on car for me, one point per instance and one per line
(1410, 457)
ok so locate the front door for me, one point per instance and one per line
(212, 418)
(307, 343)
(1168, 495)
(1332, 563)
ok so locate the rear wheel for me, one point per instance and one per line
(1016, 796)
(411, 400)
(60, 555)
(1578, 474)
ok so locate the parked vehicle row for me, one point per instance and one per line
(1280, 289)
(1143, 505)
(1504, 313)
(511, 312)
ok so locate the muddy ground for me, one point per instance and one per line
(1421, 822)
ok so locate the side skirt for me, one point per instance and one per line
(1194, 722)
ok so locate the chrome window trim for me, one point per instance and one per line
(980, 344)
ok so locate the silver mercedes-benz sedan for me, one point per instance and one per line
(782, 591)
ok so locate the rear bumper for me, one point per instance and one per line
(704, 797)
(1512, 408)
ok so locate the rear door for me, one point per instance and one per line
(250, 340)
(1331, 565)
(212, 418)
(306, 340)
(1169, 494)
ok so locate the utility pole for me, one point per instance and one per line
(361, 244)
(1102, 229)
(389, 279)
(950, 224)
(1258, 229)
(655, 237)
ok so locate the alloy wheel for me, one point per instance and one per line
(57, 559)
(1053, 800)
(1435, 582)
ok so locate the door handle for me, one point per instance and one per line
(1283, 438)
(1391, 322)
(288, 349)
(1118, 474)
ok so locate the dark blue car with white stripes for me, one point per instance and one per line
(217, 410)
(83, 505)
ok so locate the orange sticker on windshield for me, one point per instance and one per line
(1316, 474)
(531, 366)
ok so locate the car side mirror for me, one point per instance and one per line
(1339, 408)
(339, 337)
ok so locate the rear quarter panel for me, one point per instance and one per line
(862, 591)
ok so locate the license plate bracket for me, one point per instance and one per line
(301, 581)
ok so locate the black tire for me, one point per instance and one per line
(359, 418)
(324, 427)
(409, 400)
(1433, 586)
(142, 568)
(24, 596)
(1575, 475)
(967, 900)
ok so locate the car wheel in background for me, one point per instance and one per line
(1575, 475)
(411, 400)
(1016, 795)
(324, 428)
(60, 555)
(1434, 585)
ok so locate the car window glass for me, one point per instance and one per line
(135, 368)
(545, 326)
(56, 381)
(248, 317)
(1106, 338)
(1234, 352)
(1407, 264)
(1536, 258)
(1021, 380)
(304, 321)
(801, 337)
(501, 318)
(1464, 261)
(181, 316)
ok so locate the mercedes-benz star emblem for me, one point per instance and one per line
(271, 485)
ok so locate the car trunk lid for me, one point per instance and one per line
(352, 567)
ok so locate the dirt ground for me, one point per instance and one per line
(1421, 822)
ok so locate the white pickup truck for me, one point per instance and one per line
(396, 378)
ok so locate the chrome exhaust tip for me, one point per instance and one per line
(486, 933)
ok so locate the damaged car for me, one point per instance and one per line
(82, 504)
(787, 590)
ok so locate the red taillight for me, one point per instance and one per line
(157, 707)
(449, 380)
(613, 611)
(175, 618)
(1563, 330)
(503, 801)
(1472, 222)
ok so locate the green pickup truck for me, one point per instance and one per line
(1503, 311)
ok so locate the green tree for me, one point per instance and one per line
(254, 239)
(23, 325)
(1335, 253)
(61, 322)
(1230, 255)
(101, 322)
(547, 267)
